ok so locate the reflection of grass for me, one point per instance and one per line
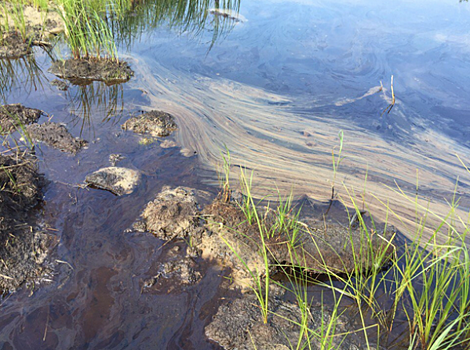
(23, 72)
(93, 28)
(86, 100)
(426, 284)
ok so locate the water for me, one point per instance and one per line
(275, 88)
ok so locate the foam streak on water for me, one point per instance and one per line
(293, 151)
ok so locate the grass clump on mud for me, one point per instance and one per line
(401, 293)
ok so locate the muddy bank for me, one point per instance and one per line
(23, 246)
(38, 26)
(55, 135)
(84, 71)
(13, 116)
(154, 123)
(13, 46)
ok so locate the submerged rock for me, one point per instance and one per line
(55, 135)
(60, 84)
(117, 180)
(14, 115)
(82, 71)
(23, 248)
(239, 325)
(183, 269)
(324, 247)
(173, 213)
(155, 123)
(319, 248)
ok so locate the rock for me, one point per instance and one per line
(55, 135)
(155, 123)
(14, 115)
(83, 71)
(173, 213)
(239, 325)
(117, 180)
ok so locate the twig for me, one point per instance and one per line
(390, 106)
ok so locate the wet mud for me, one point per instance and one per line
(238, 325)
(38, 27)
(172, 214)
(221, 233)
(23, 245)
(154, 123)
(84, 71)
(14, 116)
(55, 135)
(12, 46)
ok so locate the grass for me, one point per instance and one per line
(424, 288)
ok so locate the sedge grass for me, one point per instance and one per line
(426, 284)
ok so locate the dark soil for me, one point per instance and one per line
(55, 135)
(84, 71)
(13, 46)
(319, 246)
(173, 214)
(155, 123)
(14, 115)
(177, 269)
(23, 247)
(238, 325)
